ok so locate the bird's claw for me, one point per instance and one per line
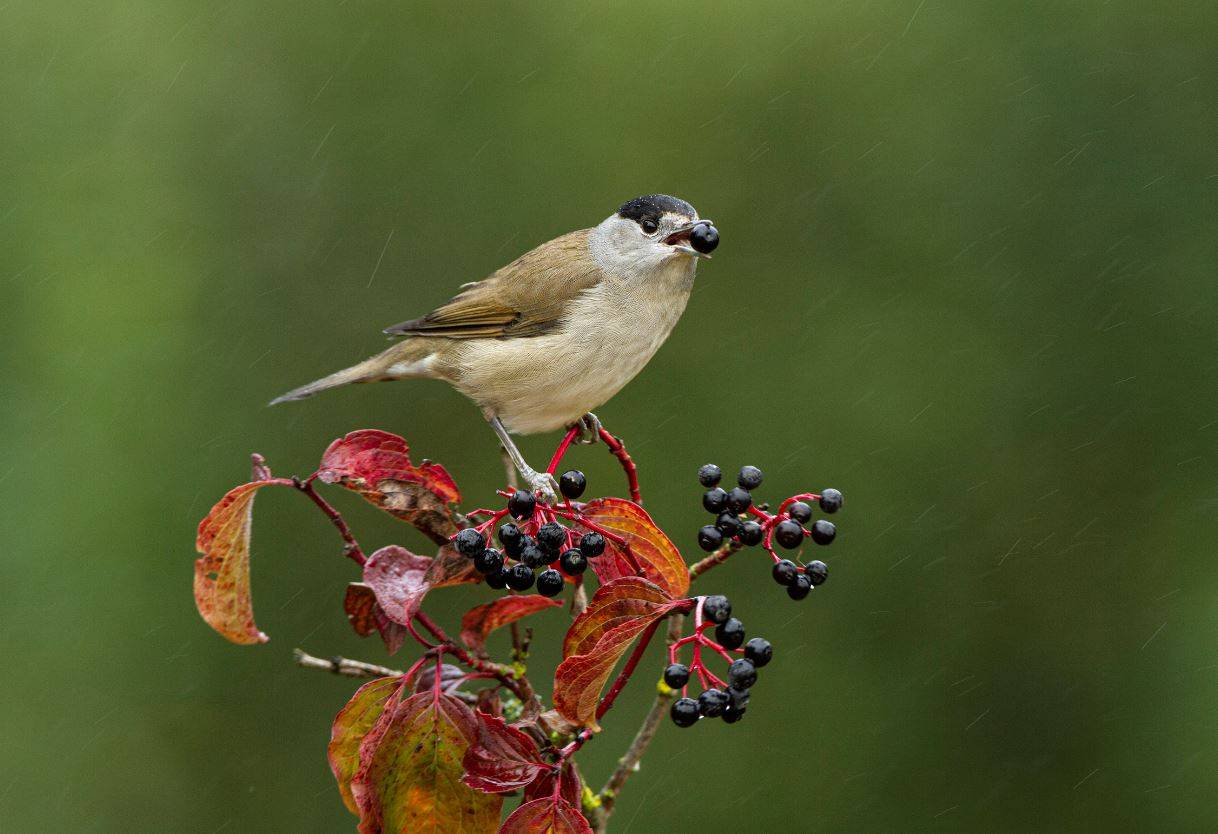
(589, 427)
(543, 485)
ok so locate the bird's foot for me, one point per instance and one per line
(542, 485)
(589, 429)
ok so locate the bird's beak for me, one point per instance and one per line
(678, 238)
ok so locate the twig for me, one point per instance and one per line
(632, 472)
(720, 556)
(343, 666)
(352, 548)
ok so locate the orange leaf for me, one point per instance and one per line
(655, 553)
(350, 726)
(546, 816)
(479, 622)
(619, 611)
(222, 572)
(409, 778)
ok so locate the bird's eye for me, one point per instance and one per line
(650, 226)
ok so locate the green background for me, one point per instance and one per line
(967, 276)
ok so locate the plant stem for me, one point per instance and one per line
(632, 473)
(343, 666)
(631, 663)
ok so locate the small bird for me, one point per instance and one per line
(554, 334)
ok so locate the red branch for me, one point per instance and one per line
(631, 663)
(632, 472)
(352, 548)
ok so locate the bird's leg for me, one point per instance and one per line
(509, 469)
(589, 429)
(541, 484)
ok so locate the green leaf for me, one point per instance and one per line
(352, 723)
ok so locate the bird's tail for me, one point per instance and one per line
(403, 360)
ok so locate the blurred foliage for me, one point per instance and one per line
(967, 276)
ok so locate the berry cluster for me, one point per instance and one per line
(718, 699)
(738, 519)
(532, 541)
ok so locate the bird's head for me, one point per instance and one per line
(650, 231)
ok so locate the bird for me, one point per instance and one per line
(541, 342)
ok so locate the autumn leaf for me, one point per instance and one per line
(617, 613)
(222, 572)
(546, 816)
(399, 580)
(366, 616)
(351, 725)
(450, 567)
(503, 759)
(655, 553)
(377, 465)
(543, 786)
(409, 777)
(479, 622)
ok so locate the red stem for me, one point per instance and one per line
(632, 472)
(572, 433)
(352, 548)
(631, 663)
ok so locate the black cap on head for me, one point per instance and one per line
(654, 206)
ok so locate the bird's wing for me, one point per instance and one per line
(528, 297)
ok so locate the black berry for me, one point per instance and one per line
(732, 714)
(469, 542)
(714, 500)
(759, 651)
(784, 572)
(749, 477)
(498, 579)
(712, 702)
(817, 572)
(511, 538)
(739, 500)
(742, 674)
(488, 561)
(800, 511)
(572, 483)
(549, 583)
(676, 675)
(731, 634)
(684, 712)
(751, 533)
(551, 537)
(709, 538)
(799, 588)
(704, 238)
(830, 500)
(533, 556)
(738, 698)
(823, 532)
(522, 504)
(592, 544)
(717, 608)
(573, 562)
(728, 524)
(520, 577)
(789, 534)
(710, 475)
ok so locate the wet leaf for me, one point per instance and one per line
(351, 725)
(377, 465)
(366, 616)
(222, 572)
(543, 786)
(479, 622)
(399, 580)
(617, 613)
(409, 778)
(655, 553)
(503, 759)
(546, 816)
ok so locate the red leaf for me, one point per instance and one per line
(377, 465)
(449, 567)
(655, 553)
(503, 759)
(399, 580)
(543, 786)
(479, 622)
(351, 725)
(618, 612)
(366, 616)
(546, 816)
(409, 777)
(222, 572)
